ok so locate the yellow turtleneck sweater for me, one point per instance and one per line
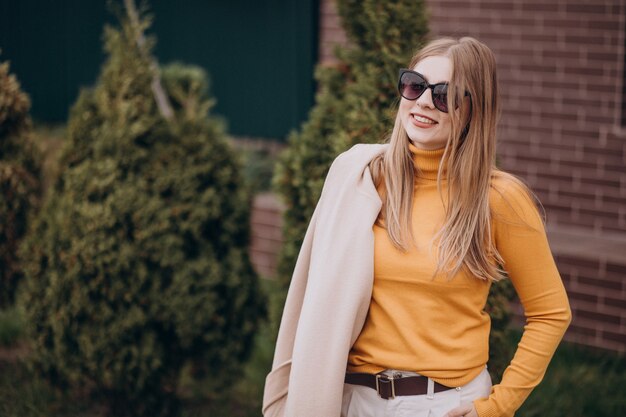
(437, 326)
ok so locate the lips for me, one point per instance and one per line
(421, 120)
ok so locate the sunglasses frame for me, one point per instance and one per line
(428, 86)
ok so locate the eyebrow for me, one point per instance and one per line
(426, 78)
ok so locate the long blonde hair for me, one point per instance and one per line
(464, 241)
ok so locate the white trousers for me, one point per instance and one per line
(360, 401)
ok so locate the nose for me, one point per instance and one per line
(426, 99)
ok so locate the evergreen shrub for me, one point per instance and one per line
(138, 265)
(11, 327)
(20, 185)
(356, 102)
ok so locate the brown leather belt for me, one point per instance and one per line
(390, 387)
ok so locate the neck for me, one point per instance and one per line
(426, 161)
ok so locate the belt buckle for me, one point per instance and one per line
(385, 378)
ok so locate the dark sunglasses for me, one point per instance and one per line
(412, 85)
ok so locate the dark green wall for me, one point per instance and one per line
(260, 54)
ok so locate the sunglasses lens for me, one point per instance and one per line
(412, 86)
(440, 97)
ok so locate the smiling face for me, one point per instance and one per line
(427, 127)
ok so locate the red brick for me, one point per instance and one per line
(599, 85)
(570, 70)
(604, 25)
(542, 6)
(612, 227)
(266, 219)
(547, 102)
(576, 296)
(525, 21)
(261, 258)
(588, 8)
(609, 300)
(619, 269)
(591, 102)
(545, 39)
(581, 330)
(264, 244)
(613, 182)
(606, 210)
(566, 54)
(605, 318)
(575, 39)
(599, 57)
(619, 337)
(589, 264)
(612, 285)
(568, 22)
(584, 133)
(608, 150)
(614, 199)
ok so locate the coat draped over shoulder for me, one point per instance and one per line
(329, 294)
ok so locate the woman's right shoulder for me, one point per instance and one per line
(358, 156)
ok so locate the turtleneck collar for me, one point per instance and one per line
(426, 161)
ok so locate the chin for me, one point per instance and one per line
(427, 144)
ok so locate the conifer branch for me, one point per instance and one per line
(163, 103)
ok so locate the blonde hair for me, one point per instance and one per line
(468, 161)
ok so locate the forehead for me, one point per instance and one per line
(436, 69)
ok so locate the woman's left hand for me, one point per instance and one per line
(465, 410)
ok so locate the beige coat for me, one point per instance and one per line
(329, 294)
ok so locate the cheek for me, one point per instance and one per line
(445, 124)
(405, 107)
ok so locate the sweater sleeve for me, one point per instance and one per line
(522, 243)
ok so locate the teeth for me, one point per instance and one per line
(423, 119)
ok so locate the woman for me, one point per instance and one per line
(385, 313)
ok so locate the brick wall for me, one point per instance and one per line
(330, 31)
(561, 76)
(563, 130)
(561, 73)
(266, 233)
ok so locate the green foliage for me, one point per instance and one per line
(580, 382)
(356, 104)
(498, 307)
(245, 398)
(19, 179)
(22, 394)
(259, 168)
(138, 264)
(188, 88)
(11, 326)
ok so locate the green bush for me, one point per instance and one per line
(580, 382)
(259, 168)
(19, 179)
(138, 264)
(498, 306)
(356, 103)
(11, 326)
